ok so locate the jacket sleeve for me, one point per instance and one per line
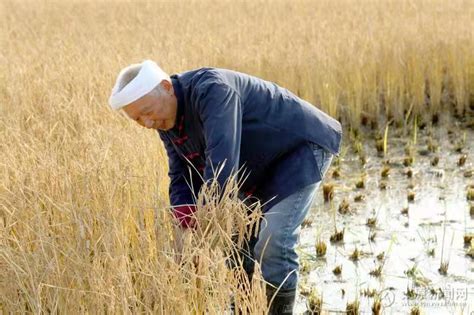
(182, 190)
(220, 109)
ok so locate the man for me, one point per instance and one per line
(210, 118)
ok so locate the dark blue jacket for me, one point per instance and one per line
(247, 122)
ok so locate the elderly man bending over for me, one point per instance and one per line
(208, 116)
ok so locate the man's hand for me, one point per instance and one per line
(184, 214)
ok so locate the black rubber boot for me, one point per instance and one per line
(283, 302)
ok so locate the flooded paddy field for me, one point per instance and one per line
(394, 234)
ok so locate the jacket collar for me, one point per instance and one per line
(178, 91)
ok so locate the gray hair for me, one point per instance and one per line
(131, 73)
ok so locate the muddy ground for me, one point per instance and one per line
(406, 212)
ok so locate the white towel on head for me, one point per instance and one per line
(149, 76)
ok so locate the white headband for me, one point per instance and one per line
(150, 75)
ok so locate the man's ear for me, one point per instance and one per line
(167, 85)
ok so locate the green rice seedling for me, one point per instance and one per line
(411, 196)
(471, 210)
(336, 173)
(337, 270)
(328, 192)
(337, 236)
(321, 248)
(383, 185)
(468, 173)
(409, 173)
(353, 308)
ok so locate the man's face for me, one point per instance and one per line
(155, 112)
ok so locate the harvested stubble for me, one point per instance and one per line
(315, 302)
(321, 248)
(470, 193)
(360, 184)
(337, 236)
(377, 306)
(344, 207)
(359, 198)
(328, 192)
(353, 308)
